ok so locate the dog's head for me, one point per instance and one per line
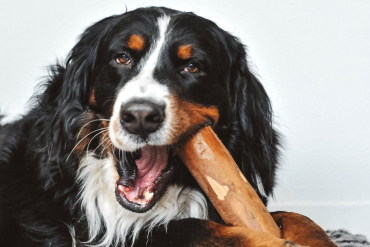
(155, 76)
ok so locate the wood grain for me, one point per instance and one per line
(221, 179)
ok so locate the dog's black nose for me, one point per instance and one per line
(142, 118)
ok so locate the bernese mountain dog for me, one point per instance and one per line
(92, 162)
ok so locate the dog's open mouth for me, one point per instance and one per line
(139, 190)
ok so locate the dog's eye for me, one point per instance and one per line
(123, 59)
(191, 68)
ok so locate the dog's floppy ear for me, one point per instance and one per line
(82, 60)
(254, 142)
(71, 83)
(68, 90)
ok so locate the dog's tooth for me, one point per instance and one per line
(148, 195)
(121, 188)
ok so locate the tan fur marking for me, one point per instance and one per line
(89, 124)
(136, 42)
(82, 143)
(92, 98)
(188, 116)
(184, 52)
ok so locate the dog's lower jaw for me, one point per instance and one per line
(98, 178)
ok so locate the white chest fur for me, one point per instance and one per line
(97, 194)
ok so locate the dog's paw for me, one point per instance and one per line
(300, 229)
(242, 236)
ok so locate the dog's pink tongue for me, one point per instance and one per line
(153, 160)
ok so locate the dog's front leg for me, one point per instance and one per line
(204, 233)
(301, 230)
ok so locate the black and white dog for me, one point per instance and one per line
(92, 164)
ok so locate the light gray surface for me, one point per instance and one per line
(345, 239)
(313, 59)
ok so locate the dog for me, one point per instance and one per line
(93, 164)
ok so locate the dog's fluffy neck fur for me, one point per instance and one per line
(97, 178)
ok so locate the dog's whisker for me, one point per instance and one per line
(103, 142)
(102, 119)
(105, 147)
(104, 139)
(102, 152)
(88, 145)
(92, 132)
(112, 99)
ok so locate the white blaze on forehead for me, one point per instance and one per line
(144, 86)
(147, 67)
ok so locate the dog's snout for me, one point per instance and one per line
(142, 118)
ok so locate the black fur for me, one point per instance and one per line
(38, 188)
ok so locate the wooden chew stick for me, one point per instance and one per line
(221, 179)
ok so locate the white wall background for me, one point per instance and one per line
(313, 58)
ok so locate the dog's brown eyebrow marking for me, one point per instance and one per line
(136, 42)
(184, 51)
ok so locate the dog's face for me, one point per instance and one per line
(141, 82)
(158, 78)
